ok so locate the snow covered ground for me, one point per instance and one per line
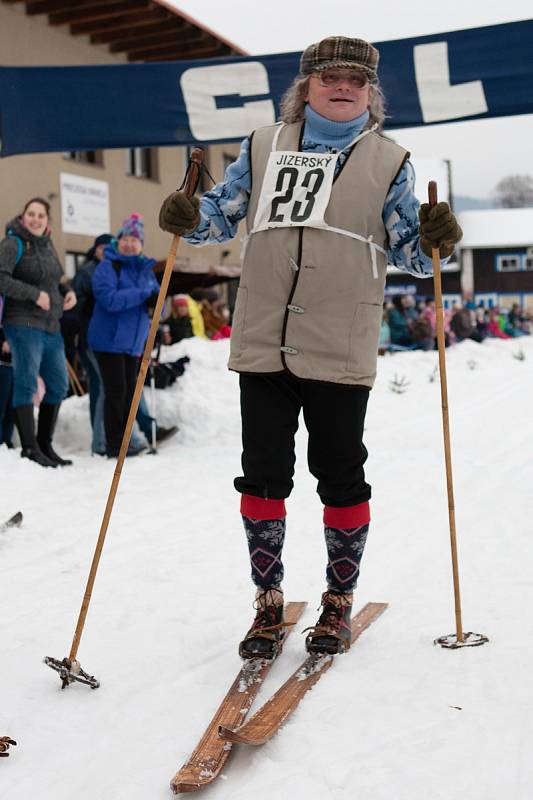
(396, 718)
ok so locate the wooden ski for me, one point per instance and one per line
(212, 752)
(269, 718)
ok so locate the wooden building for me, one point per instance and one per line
(496, 256)
(493, 263)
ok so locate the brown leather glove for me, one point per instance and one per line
(179, 214)
(438, 228)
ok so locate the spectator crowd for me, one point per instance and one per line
(411, 324)
(87, 335)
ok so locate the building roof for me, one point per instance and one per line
(497, 227)
(142, 30)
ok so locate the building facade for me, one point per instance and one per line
(132, 180)
(493, 264)
(496, 256)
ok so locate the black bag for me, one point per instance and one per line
(166, 374)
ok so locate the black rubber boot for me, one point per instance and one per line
(45, 432)
(26, 428)
(264, 638)
(333, 632)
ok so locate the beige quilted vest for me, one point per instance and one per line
(309, 300)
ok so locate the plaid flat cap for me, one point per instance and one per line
(339, 51)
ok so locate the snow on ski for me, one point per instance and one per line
(269, 718)
(13, 522)
(207, 760)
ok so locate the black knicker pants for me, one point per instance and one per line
(119, 375)
(334, 416)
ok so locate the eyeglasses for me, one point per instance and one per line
(356, 80)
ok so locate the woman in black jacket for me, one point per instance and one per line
(30, 275)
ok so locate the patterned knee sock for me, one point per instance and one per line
(346, 530)
(264, 523)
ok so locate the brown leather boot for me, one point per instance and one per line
(263, 640)
(333, 632)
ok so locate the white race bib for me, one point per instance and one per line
(296, 190)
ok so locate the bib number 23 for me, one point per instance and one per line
(285, 207)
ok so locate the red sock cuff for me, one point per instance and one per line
(262, 508)
(347, 517)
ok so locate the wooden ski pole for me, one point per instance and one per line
(432, 194)
(153, 409)
(77, 388)
(69, 668)
(461, 639)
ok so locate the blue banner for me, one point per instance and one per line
(445, 77)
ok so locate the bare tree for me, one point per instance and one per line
(515, 191)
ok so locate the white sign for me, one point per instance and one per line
(295, 191)
(84, 205)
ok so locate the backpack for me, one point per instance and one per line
(20, 246)
(20, 250)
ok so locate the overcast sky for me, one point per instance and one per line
(481, 152)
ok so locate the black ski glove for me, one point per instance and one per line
(438, 228)
(179, 214)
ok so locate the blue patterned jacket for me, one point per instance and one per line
(224, 206)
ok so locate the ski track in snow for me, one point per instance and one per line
(396, 718)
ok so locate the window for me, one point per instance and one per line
(486, 299)
(528, 262)
(508, 263)
(95, 157)
(451, 300)
(141, 162)
(73, 261)
(507, 300)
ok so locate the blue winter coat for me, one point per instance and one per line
(120, 321)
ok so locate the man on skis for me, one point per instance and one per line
(328, 202)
